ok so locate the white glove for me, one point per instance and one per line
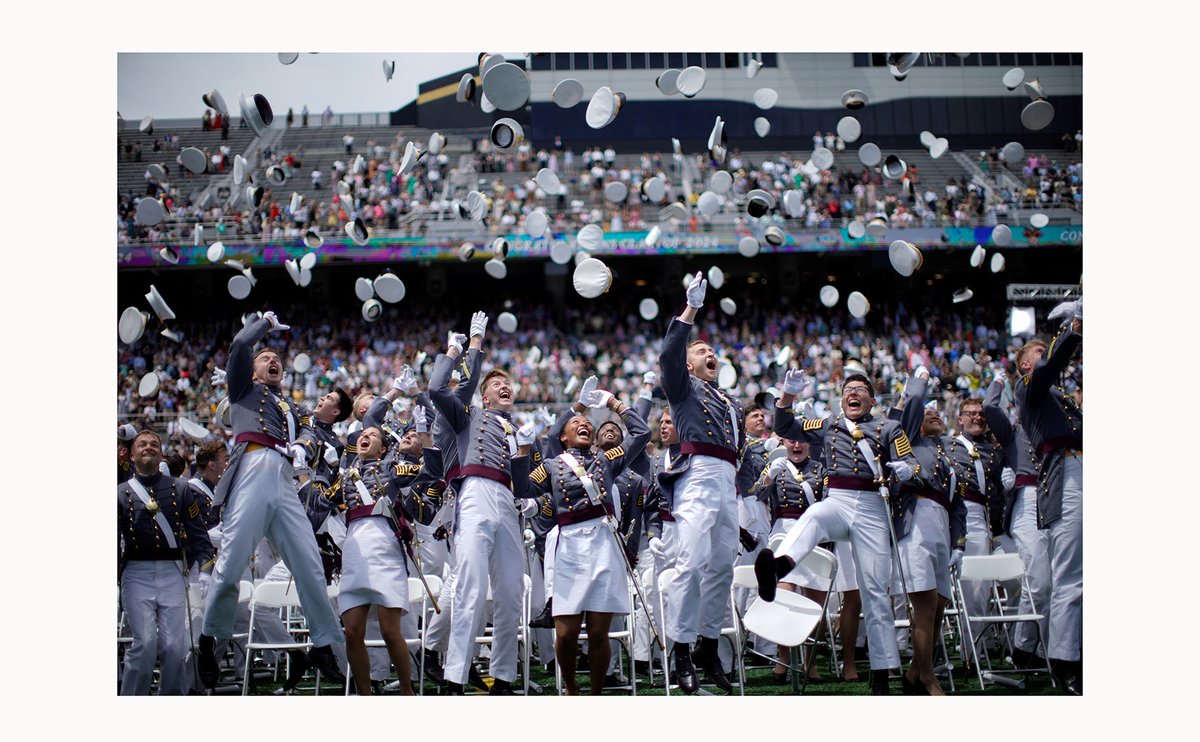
(127, 432)
(479, 322)
(771, 444)
(658, 548)
(586, 392)
(546, 419)
(205, 581)
(331, 456)
(528, 537)
(1067, 310)
(276, 325)
(649, 378)
(696, 290)
(1008, 478)
(299, 456)
(526, 434)
(956, 556)
(406, 382)
(218, 377)
(528, 506)
(793, 381)
(921, 373)
(599, 399)
(420, 420)
(776, 469)
(901, 469)
(456, 340)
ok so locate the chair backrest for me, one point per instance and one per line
(665, 577)
(821, 562)
(774, 542)
(743, 576)
(245, 591)
(416, 591)
(276, 594)
(435, 583)
(992, 567)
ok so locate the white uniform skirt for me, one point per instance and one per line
(925, 551)
(800, 575)
(373, 569)
(589, 574)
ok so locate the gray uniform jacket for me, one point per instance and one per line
(992, 491)
(754, 462)
(936, 466)
(785, 496)
(444, 437)
(138, 534)
(659, 503)
(1052, 419)
(1018, 450)
(843, 460)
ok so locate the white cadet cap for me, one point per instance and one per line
(301, 363)
(1034, 90)
(240, 166)
(437, 142)
(1037, 115)
(307, 261)
(726, 374)
(371, 309)
(828, 295)
(877, 227)
(783, 356)
(854, 99)
(567, 93)
(603, 108)
(363, 288)
(288, 57)
(869, 154)
(506, 86)
(159, 305)
(997, 262)
(466, 88)
(156, 171)
(927, 139)
(477, 205)
(313, 238)
(507, 322)
(358, 231)
(131, 325)
(899, 63)
(648, 309)
(258, 113)
(666, 81)
(560, 252)
(222, 414)
(1012, 152)
(691, 81)
(728, 306)
(720, 182)
(716, 277)
(149, 211)
(774, 236)
(709, 203)
(358, 166)
(1013, 78)
(759, 202)
(411, 157)
(295, 203)
(894, 167)
(389, 68)
(239, 286)
(654, 189)
(849, 129)
(169, 254)
(276, 175)
(673, 210)
(499, 248)
(171, 335)
(762, 126)
(148, 385)
(766, 98)
(193, 159)
(254, 196)
(977, 256)
(653, 236)
(507, 133)
(213, 99)
(466, 251)
(1001, 235)
(822, 157)
(616, 191)
(966, 364)
(591, 278)
(548, 181)
(535, 224)
(939, 147)
(496, 268)
(147, 125)
(905, 258)
(485, 105)
(1039, 220)
(293, 270)
(192, 429)
(717, 141)
(748, 246)
(857, 230)
(389, 287)
(962, 295)
(752, 67)
(591, 237)
(858, 305)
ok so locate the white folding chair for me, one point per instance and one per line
(997, 568)
(272, 596)
(625, 638)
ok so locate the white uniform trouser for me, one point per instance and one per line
(859, 517)
(706, 519)
(1066, 566)
(437, 633)
(1034, 547)
(262, 502)
(979, 542)
(488, 540)
(432, 552)
(152, 594)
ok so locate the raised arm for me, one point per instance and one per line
(634, 443)
(996, 418)
(913, 413)
(239, 374)
(455, 411)
(1052, 364)
(787, 426)
(673, 360)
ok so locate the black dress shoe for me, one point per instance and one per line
(206, 662)
(1068, 676)
(685, 672)
(764, 572)
(545, 619)
(1023, 660)
(476, 679)
(296, 669)
(707, 659)
(323, 660)
(615, 680)
(501, 688)
(454, 689)
(434, 672)
(879, 683)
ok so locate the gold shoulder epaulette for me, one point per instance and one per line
(538, 475)
(408, 470)
(306, 420)
(903, 447)
(613, 453)
(814, 424)
(194, 511)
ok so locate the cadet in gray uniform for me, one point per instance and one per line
(259, 497)
(1020, 521)
(159, 532)
(1055, 426)
(858, 446)
(702, 481)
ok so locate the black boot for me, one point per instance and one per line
(323, 660)
(768, 569)
(501, 688)
(454, 689)
(879, 682)
(1067, 677)
(685, 672)
(206, 662)
(707, 659)
(434, 671)
(1023, 660)
(545, 619)
(298, 666)
(475, 678)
